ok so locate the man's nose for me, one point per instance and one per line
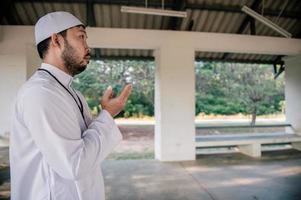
(88, 49)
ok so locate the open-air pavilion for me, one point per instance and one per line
(212, 30)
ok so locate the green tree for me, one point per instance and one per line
(221, 88)
(117, 73)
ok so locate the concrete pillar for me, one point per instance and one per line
(12, 76)
(33, 61)
(14, 71)
(293, 91)
(174, 103)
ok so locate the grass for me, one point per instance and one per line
(203, 116)
(131, 155)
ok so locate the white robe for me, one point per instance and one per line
(52, 153)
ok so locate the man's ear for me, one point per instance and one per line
(57, 40)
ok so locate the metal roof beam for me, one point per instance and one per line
(175, 22)
(91, 21)
(252, 26)
(298, 35)
(278, 62)
(147, 58)
(246, 20)
(237, 9)
(193, 6)
(90, 14)
(6, 12)
(109, 2)
(190, 25)
(244, 24)
(150, 58)
(279, 70)
(235, 60)
(3, 9)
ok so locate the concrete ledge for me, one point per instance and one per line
(246, 143)
(4, 141)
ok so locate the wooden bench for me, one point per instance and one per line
(249, 144)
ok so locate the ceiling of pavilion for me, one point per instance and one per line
(218, 16)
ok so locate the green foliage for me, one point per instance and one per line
(227, 88)
(221, 88)
(101, 74)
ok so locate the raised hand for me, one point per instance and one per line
(115, 105)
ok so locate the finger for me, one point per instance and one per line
(126, 92)
(112, 94)
(107, 93)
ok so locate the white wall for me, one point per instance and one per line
(33, 61)
(12, 75)
(18, 60)
(13, 40)
(293, 91)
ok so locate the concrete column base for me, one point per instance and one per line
(253, 150)
(296, 145)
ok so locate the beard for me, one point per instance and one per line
(71, 61)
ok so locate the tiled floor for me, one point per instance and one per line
(275, 176)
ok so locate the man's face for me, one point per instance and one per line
(76, 53)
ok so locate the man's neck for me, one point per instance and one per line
(60, 66)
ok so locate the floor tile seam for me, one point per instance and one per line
(198, 183)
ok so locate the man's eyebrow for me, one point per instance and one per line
(83, 32)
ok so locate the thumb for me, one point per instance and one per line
(107, 94)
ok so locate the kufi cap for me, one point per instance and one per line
(54, 22)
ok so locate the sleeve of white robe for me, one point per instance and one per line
(55, 132)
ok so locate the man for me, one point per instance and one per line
(56, 147)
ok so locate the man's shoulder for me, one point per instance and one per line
(35, 83)
(35, 86)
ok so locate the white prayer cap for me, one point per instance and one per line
(54, 22)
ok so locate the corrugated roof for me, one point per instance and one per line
(221, 16)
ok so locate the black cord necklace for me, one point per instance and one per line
(80, 105)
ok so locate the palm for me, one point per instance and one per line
(115, 105)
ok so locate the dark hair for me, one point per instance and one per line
(43, 46)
